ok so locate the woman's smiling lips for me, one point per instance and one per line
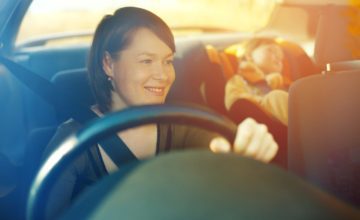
(158, 91)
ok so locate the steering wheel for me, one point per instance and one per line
(101, 128)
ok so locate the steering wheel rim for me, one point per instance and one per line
(101, 128)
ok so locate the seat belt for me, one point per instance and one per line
(120, 154)
(46, 90)
(33, 81)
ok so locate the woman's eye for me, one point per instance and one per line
(146, 61)
(169, 62)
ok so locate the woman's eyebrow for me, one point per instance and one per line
(154, 54)
(169, 55)
(146, 54)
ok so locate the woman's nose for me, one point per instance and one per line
(161, 72)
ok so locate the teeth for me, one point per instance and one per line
(152, 89)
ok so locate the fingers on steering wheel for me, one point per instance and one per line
(268, 150)
(271, 150)
(243, 136)
(257, 141)
(254, 140)
(220, 145)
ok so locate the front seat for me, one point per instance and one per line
(324, 126)
(324, 119)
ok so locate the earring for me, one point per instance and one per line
(111, 81)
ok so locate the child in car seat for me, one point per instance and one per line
(259, 78)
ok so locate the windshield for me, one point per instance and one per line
(183, 16)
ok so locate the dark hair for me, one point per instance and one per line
(113, 34)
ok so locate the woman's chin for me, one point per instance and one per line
(152, 102)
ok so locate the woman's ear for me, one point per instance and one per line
(107, 63)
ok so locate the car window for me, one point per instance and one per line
(74, 21)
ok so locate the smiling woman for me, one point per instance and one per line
(130, 64)
(31, 111)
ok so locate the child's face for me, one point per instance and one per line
(269, 57)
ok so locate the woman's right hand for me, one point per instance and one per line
(252, 140)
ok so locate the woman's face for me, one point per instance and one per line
(142, 73)
(268, 57)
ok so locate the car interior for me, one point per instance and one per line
(41, 87)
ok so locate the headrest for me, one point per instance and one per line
(75, 84)
(334, 41)
(191, 65)
(198, 79)
(343, 66)
(297, 63)
(74, 91)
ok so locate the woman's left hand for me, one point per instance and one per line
(252, 140)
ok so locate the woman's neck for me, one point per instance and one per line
(141, 140)
(117, 103)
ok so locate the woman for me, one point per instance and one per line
(259, 78)
(130, 64)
